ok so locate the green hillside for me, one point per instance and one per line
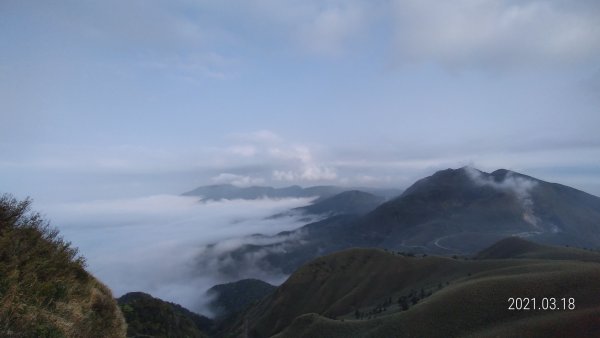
(233, 297)
(373, 293)
(516, 247)
(152, 317)
(45, 290)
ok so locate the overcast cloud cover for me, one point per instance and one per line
(133, 102)
(103, 99)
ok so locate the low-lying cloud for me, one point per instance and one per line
(519, 186)
(166, 245)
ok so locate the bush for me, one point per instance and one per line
(44, 288)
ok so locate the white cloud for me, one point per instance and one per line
(196, 64)
(329, 30)
(496, 32)
(309, 173)
(519, 186)
(262, 136)
(237, 180)
(158, 244)
(243, 150)
(306, 168)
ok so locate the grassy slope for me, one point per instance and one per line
(515, 247)
(475, 300)
(44, 289)
(478, 306)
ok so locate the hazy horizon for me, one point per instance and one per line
(112, 99)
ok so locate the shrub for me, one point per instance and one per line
(44, 288)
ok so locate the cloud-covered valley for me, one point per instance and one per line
(168, 245)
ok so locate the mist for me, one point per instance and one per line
(519, 186)
(166, 245)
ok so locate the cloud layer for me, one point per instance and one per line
(162, 244)
(497, 33)
(194, 37)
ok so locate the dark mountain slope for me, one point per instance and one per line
(464, 210)
(236, 296)
(152, 317)
(351, 202)
(312, 240)
(371, 285)
(437, 208)
(455, 211)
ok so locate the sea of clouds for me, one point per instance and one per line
(166, 245)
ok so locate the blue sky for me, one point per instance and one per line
(112, 99)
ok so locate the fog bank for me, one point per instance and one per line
(153, 244)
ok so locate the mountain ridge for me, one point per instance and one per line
(229, 191)
(233, 297)
(452, 212)
(148, 316)
(362, 293)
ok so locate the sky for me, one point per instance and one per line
(117, 99)
(109, 110)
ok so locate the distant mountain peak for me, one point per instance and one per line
(501, 172)
(228, 191)
(438, 211)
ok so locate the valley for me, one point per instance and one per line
(442, 258)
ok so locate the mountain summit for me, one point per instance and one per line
(454, 211)
(463, 210)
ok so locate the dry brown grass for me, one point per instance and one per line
(45, 290)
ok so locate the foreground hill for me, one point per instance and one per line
(152, 317)
(45, 290)
(230, 298)
(373, 293)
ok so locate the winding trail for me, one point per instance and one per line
(437, 243)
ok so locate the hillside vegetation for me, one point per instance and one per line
(45, 290)
(373, 293)
(152, 317)
(516, 247)
(230, 298)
